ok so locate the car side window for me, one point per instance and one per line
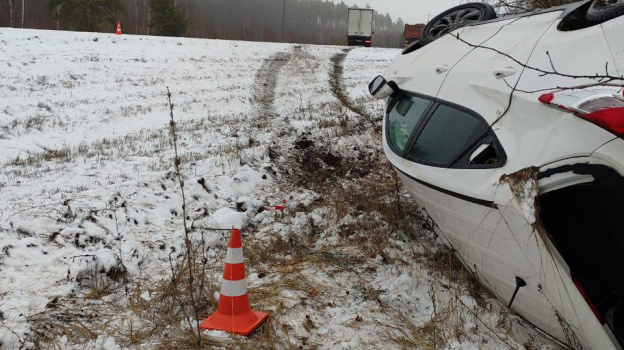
(448, 134)
(404, 115)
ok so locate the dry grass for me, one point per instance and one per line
(154, 144)
(35, 122)
(449, 318)
(81, 320)
(159, 321)
(374, 200)
(99, 281)
(163, 316)
(61, 155)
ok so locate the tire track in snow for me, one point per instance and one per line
(337, 84)
(311, 157)
(265, 84)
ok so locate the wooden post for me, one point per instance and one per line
(11, 13)
(149, 18)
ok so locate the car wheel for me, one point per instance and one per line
(604, 10)
(454, 18)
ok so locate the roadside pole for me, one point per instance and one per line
(284, 21)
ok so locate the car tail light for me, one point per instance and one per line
(601, 105)
(368, 41)
(588, 300)
(610, 119)
(547, 98)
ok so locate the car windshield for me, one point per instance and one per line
(406, 112)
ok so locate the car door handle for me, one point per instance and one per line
(442, 69)
(504, 72)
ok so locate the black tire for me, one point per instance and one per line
(454, 18)
(604, 10)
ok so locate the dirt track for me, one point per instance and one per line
(336, 83)
(264, 86)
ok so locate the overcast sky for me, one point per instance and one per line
(411, 11)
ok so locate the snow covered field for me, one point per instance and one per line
(91, 212)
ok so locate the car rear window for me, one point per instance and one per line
(403, 117)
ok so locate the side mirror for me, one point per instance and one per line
(379, 88)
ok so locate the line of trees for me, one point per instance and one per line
(307, 21)
(89, 16)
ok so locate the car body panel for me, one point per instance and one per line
(487, 92)
(582, 52)
(561, 134)
(478, 185)
(429, 65)
(560, 131)
(613, 35)
(612, 155)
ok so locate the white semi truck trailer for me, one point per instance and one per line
(360, 31)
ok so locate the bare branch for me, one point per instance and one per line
(605, 78)
(600, 79)
(189, 244)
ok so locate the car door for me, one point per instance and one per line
(449, 159)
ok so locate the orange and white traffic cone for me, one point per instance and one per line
(118, 32)
(233, 313)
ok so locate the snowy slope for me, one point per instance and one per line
(91, 212)
(68, 90)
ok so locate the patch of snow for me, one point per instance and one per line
(227, 218)
(146, 296)
(528, 200)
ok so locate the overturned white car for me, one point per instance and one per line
(509, 133)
